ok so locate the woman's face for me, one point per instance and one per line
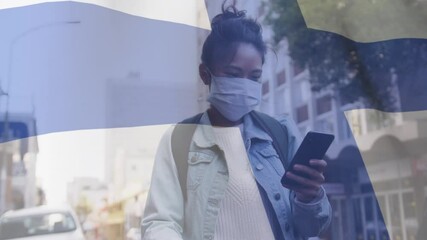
(246, 63)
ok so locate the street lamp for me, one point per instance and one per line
(9, 70)
(5, 138)
(24, 34)
(3, 93)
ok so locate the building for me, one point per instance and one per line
(376, 179)
(131, 149)
(377, 176)
(88, 197)
(355, 170)
(91, 191)
(395, 161)
(18, 161)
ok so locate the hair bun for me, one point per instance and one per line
(229, 12)
(230, 28)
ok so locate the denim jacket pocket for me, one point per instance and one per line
(198, 163)
(270, 155)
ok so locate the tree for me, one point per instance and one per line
(359, 71)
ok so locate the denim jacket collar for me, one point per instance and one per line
(252, 130)
(203, 136)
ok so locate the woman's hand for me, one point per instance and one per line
(307, 188)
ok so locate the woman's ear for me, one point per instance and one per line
(205, 75)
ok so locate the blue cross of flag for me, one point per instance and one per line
(103, 64)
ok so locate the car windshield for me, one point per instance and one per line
(26, 226)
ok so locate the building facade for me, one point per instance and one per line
(18, 160)
(376, 179)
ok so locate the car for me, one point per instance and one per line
(133, 234)
(41, 223)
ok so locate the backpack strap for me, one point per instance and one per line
(277, 131)
(182, 136)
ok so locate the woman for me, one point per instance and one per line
(233, 188)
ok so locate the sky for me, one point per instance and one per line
(61, 72)
(68, 155)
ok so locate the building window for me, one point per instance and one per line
(301, 93)
(265, 88)
(377, 120)
(409, 205)
(302, 113)
(346, 130)
(325, 125)
(351, 125)
(281, 78)
(280, 102)
(324, 104)
(303, 130)
(297, 68)
(265, 105)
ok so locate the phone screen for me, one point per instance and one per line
(314, 146)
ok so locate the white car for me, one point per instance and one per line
(41, 223)
(133, 234)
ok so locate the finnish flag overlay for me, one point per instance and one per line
(89, 87)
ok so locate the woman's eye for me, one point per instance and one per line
(232, 75)
(255, 78)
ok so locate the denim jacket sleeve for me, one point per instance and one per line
(310, 219)
(164, 211)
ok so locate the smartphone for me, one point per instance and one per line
(314, 146)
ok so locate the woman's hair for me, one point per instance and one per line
(229, 29)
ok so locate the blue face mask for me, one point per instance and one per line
(234, 97)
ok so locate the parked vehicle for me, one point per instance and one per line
(133, 234)
(41, 223)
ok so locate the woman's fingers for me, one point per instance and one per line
(318, 164)
(305, 191)
(302, 181)
(303, 194)
(308, 179)
(312, 173)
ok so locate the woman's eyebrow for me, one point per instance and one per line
(231, 67)
(235, 68)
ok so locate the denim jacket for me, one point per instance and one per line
(168, 217)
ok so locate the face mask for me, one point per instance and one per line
(234, 97)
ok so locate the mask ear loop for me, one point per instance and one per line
(211, 75)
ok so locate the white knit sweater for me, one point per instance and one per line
(242, 214)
